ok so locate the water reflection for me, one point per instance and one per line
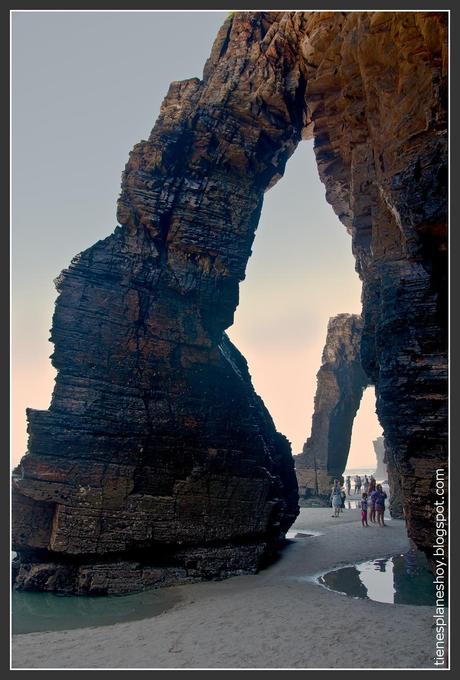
(377, 578)
(308, 533)
(352, 505)
(400, 579)
(40, 612)
(345, 581)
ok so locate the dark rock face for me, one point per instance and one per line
(155, 452)
(340, 385)
(379, 448)
(377, 94)
(387, 469)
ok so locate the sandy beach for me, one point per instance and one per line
(279, 618)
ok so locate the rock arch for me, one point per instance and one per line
(156, 460)
(341, 382)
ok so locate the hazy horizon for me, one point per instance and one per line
(86, 88)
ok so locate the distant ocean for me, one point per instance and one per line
(361, 471)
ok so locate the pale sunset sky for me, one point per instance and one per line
(87, 86)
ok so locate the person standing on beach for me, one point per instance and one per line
(372, 496)
(336, 498)
(364, 510)
(348, 485)
(343, 496)
(359, 484)
(366, 484)
(380, 497)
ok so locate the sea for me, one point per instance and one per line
(360, 471)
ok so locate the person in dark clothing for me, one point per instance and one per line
(364, 510)
(348, 485)
(379, 500)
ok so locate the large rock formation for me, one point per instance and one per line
(379, 449)
(340, 385)
(155, 454)
(211, 498)
(156, 460)
(377, 93)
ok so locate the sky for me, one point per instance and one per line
(86, 87)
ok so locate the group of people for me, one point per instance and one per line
(365, 482)
(372, 499)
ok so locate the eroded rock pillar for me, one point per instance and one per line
(379, 449)
(156, 461)
(340, 385)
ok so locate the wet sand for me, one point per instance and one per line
(279, 618)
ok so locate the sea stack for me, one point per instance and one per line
(340, 385)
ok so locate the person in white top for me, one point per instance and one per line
(336, 498)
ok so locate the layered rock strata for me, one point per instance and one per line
(377, 93)
(340, 385)
(379, 449)
(156, 457)
(387, 470)
(155, 451)
(395, 481)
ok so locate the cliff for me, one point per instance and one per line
(378, 99)
(155, 460)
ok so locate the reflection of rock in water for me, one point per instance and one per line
(412, 579)
(346, 580)
(411, 562)
(381, 565)
(401, 579)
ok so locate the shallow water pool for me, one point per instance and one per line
(304, 533)
(398, 579)
(39, 612)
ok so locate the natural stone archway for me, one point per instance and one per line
(341, 382)
(340, 385)
(156, 460)
(379, 109)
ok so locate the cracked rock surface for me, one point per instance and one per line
(156, 460)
